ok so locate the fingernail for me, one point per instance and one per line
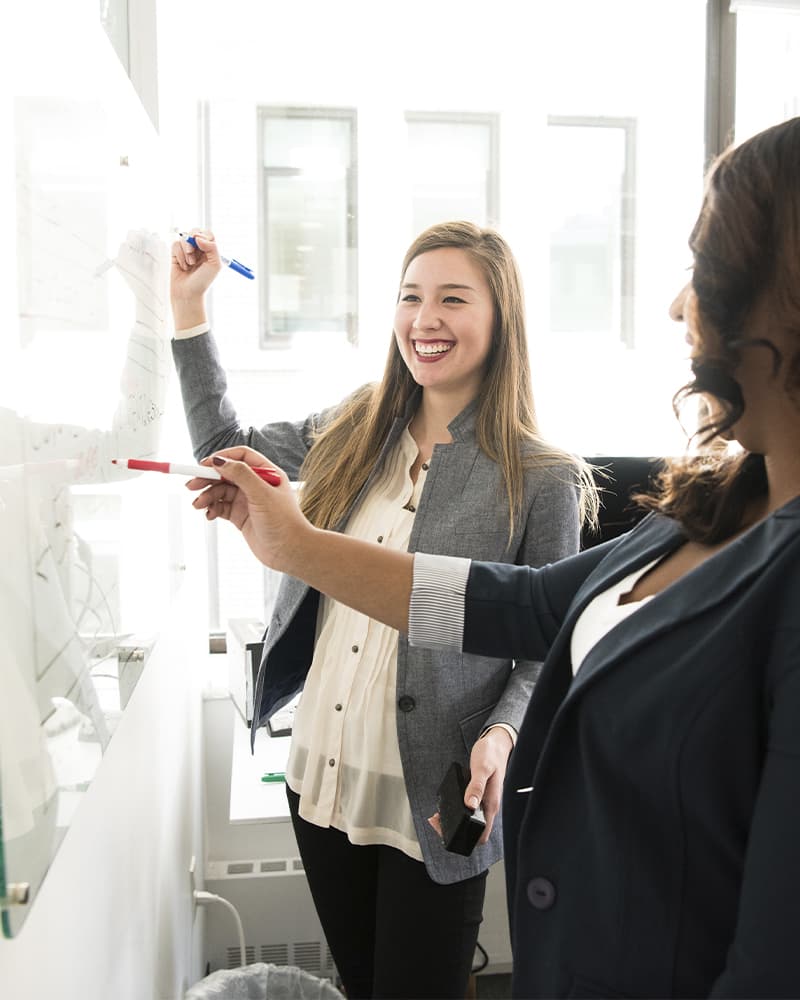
(473, 801)
(219, 460)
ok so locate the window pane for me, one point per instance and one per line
(307, 210)
(586, 220)
(451, 171)
(315, 145)
(306, 250)
(767, 61)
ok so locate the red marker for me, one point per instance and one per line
(268, 475)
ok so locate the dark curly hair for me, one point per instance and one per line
(746, 247)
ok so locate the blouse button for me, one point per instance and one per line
(380, 538)
(425, 466)
(354, 649)
(331, 762)
(338, 707)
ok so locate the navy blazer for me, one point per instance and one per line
(656, 850)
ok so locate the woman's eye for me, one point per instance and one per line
(410, 297)
(453, 298)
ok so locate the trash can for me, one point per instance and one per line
(263, 981)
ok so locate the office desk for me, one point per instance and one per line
(254, 800)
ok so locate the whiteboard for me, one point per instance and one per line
(91, 553)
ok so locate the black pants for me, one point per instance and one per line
(392, 930)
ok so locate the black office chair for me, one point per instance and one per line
(617, 478)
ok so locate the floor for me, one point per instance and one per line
(491, 987)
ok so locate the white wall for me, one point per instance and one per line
(114, 917)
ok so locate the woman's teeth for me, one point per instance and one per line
(431, 348)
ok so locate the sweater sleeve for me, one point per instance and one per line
(211, 416)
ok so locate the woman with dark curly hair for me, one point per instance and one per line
(651, 808)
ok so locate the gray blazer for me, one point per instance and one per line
(444, 699)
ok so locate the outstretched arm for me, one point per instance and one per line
(362, 575)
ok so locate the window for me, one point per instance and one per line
(591, 216)
(578, 129)
(308, 235)
(453, 168)
(767, 60)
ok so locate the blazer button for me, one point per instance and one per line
(541, 893)
(406, 703)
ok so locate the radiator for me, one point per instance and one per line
(281, 925)
(277, 913)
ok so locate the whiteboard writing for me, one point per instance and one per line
(90, 367)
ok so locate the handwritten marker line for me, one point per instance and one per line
(105, 266)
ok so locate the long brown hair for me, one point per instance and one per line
(746, 247)
(348, 447)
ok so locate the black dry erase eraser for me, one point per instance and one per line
(461, 826)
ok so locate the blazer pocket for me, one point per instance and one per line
(473, 725)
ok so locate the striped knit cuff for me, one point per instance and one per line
(436, 609)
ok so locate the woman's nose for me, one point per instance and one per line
(427, 317)
(676, 309)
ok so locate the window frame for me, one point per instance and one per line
(627, 222)
(488, 118)
(268, 339)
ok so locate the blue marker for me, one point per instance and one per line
(234, 265)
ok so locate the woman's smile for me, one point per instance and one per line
(432, 350)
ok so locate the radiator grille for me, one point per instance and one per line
(310, 956)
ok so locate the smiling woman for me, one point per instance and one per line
(442, 455)
(443, 325)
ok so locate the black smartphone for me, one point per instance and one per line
(461, 826)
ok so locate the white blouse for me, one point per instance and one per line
(602, 613)
(344, 760)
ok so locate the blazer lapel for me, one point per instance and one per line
(715, 580)
(455, 461)
(556, 689)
